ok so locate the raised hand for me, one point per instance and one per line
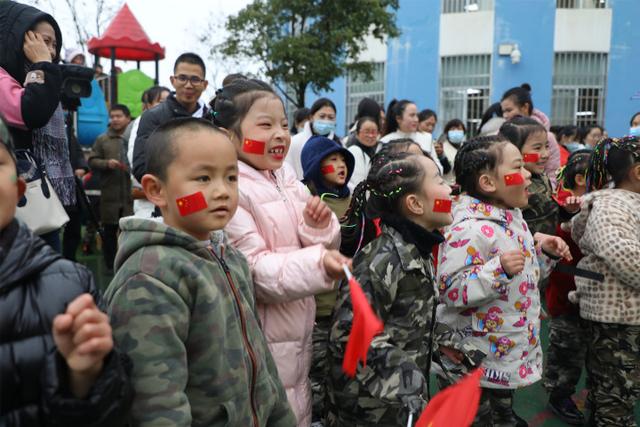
(35, 49)
(317, 214)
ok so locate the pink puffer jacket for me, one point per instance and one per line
(285, 256)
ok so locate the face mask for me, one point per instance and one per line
(324, 127)
(455, 136)
(634, 131)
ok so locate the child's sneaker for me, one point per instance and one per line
(565, 409)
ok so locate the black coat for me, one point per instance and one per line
(36, 284)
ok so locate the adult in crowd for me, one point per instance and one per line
(363, 148)
(517, 102)
(30, 87)
(591, 135)
(567, 136)
(634, 125)
(367, 107)
(452, 138)
(300, 118)
(189, 82)
(427, 121)
(72, 234)
(402, 122)
(491, 120)
(322, 122)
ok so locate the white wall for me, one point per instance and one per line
(376, 50)
(468, 33)
(583, 30)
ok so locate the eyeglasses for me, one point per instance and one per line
(183, 79)
(369, 132)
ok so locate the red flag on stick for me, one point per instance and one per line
(364, 327)
(456, 405)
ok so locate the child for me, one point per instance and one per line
(567, 332)
(181, 302)
(56, 353)
(608, 233)
(327, 168)
(287, 235)
(488, 273)
(396, 272)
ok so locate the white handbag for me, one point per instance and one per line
(40, 208)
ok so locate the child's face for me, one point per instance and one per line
(334, 170)
(265, 122)
(537, 143)
(205, 162)
(511, 196)
(11, 189)
(580, 188)
(433, 188)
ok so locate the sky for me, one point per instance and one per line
(176, 24)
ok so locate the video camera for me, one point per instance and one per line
(76, 84)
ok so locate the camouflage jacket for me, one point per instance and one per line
(184, 311)
(541, 214)
(400, 286)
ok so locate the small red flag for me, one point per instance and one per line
(456, 405)
(442, 205)
(364, 327)
(251, 146)
(514, 179)
(531, 158)
(325, 170)
(192, 203)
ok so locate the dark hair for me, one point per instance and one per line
(519, 129)
(320, 103)
(6, 140)
(190, 58)
(612, 157)
(425, 114)
(568, 131)
(454, 123)
(633, 118)
(368, 107)
(475, 157)
(233, 102)
(577, 163)
(394, 110)
(584, 131)
(153, 94)
(301, 114)
(121, 107)
(494, 110)
(520, 95)
(230, 78)
(365, 119)
(162, 150)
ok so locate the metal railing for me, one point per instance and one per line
(582, 4)
(461, 6)
(358, 88)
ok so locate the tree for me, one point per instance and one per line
(308, 43)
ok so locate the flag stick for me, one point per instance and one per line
(410, 422)
(346, 271)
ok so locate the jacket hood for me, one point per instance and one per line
(138, 233)
(541, 118)
(15, 20)
(314, 151)
(471, 208)
(22, 254)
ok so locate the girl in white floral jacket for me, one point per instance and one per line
(489, 268)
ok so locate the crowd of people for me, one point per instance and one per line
(229, 239)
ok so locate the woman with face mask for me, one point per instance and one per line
(634, 125)
(322, 122)
(452, 138)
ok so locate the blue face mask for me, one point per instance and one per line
(324, 127)
(455, 136)
(634, 131)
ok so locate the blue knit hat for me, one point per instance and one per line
(316, 149)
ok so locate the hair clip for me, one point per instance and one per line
(395, 171)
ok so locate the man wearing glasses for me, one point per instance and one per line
(189, 82)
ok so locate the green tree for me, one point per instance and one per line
(308, 43)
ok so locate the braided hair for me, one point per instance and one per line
(577, 163)
(612, 158)
(475, 157)
(232, 103)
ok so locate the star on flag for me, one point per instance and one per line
(442, 205)
(514, 179)
(251, 146)
(531, 158)
(192, 203)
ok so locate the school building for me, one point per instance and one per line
(581, 58)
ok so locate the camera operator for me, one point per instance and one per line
(30, 91)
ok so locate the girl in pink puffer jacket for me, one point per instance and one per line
(289, 237)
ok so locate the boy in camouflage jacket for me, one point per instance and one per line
(182, 304)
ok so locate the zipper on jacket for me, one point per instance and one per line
(275, 180)
(245, 338)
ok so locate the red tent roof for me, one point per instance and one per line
(127, 36)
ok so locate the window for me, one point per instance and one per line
(582, 4)
(460, 6)
(358, 88)
(579, 80)
(464, 89)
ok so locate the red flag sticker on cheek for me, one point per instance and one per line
(531, 158)
(251, 146)
(191, 204)
(442, 205)
(326, 170)
(514, 179)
